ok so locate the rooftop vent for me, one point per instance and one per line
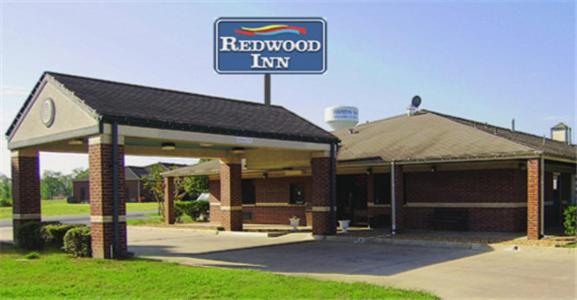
(561, 132)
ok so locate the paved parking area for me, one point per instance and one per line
(531, 273)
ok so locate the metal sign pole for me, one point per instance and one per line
(267, 89)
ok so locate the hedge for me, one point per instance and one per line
(77, 242)
(32, 238)
(570, 220)
(53, 234)
(193, 209)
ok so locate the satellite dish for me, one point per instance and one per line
(416, 101)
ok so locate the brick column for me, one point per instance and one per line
(231, 195)
(169, 200)
(25, 190)
(399, 197)
(533, 199)
(101, 196)
(320, 169)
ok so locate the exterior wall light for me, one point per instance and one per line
(168, 146)
(76, 142)
(238, 150)
(206, 145)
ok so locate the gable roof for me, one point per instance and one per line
(137, 105)
(429, 135)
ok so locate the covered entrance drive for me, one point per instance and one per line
(109, 120)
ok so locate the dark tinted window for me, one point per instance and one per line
(382, 186)
(248, 192)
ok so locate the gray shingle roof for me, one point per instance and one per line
(425, 136)
(434, 136)
(539, 143)
(137, 105)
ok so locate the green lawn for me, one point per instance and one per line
(60, 208)
(59, 276)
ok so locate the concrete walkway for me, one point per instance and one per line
(531, 273)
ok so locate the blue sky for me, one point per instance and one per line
(485, 60)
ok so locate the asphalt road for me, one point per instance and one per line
(82, 219)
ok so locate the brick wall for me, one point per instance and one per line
(131, 187)
(480, 219)
(473, 186)
(272, 192)
(466, 186)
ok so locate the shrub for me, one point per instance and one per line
(178, 212)
(192, 209)
(5, 203)
(29, 236)
(570, 214)
(53, 234)
(32, 255)
(77, 242)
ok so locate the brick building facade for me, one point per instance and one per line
(491, 199)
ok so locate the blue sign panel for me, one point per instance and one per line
(270, 46)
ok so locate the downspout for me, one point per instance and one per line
(332, 186)
(115, 190)
(393, 201)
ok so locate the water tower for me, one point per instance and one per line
(340, 117)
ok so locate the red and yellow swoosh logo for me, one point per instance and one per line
(272, 30)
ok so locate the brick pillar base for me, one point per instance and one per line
(533, 197)
(321, 217)
(231, 195)
(25, 191)
(101, 197)
(169, 217)
(102, 239)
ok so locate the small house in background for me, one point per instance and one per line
(135, 190)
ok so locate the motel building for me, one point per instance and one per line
(423, 170)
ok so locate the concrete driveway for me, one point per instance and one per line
(531, 273)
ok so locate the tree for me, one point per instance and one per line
(190, 187)
(5, 189)
(154, 183)
(55, 184)
(80, 173)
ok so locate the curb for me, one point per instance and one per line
(406, 242)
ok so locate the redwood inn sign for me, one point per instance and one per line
(270, 46)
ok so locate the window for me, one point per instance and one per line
(248, 192)
(297, 193)
(382, 188)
